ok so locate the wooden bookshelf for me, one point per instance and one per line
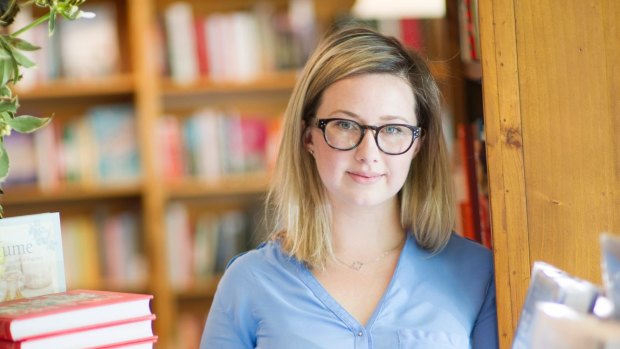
(152, 94)
(250, 184)
(551, 111)
(201, 290)
(71, 89)
(272, 82)
(21, 194)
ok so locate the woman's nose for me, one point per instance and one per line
(368, 150)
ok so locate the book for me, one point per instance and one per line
(550, 284)
(559, 326)
(81, 252)
(89, 48)
(22, 157)
(181, 42)
(31, 257)
(146, 343)
(115, 153)
(98, 336)
(75, 309)
(610, 252)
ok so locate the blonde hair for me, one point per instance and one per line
(297, 200)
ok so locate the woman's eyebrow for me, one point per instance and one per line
(382, 118)
(349, 113)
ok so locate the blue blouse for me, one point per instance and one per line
(269, 300)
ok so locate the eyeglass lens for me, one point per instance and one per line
(345, 134)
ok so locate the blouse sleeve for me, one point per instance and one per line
(222, 332)
(230, 324)
(484, 334)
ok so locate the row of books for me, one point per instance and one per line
(412, 32)
(209, 144)
(80, 49)
(235, 46)
(97, 148)
(103, 250)
(78, 319)
(37, 311)
(469, 30)
(563, 311)
(200, 244)
(471, 183)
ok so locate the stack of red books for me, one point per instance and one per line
(78, 319)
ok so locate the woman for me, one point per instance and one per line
(363, 254)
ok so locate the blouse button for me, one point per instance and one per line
(360, 333)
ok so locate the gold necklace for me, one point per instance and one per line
(357, 265)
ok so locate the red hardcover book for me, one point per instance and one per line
(145, 343)
(201, 45)
(53, 313)
(93, 337)
(471, 208)
(412, 33)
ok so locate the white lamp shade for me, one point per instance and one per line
(399, 8)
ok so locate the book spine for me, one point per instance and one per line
(5, 329)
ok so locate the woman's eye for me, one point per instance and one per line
(393, 130)
(345, 125)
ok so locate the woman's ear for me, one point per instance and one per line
(307, 139)
(417, 145)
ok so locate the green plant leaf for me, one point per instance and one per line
(70, 12)
(22, 60)
(6, 71)
(51, 22)
(22, 44)
(8, 105)
(4, 52)
(4, 163)
(5, 91)
(27, 123)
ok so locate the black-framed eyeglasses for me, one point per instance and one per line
(392, 139)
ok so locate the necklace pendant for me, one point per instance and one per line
(357, 265)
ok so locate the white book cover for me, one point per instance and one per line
(610, 252)
(31, 259)
(244, 46)
(47, 158)
(89, 47)
(215, 34)
(208, 161)
(550, 284)
(557, 326)
(178, 245)
(181, 42)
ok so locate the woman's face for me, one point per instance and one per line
(364, 176)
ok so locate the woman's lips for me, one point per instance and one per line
(365, 177)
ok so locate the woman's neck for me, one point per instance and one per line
(366, 231)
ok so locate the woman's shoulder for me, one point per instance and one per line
(256, 257)
(266, 258)
(463, 246)
(253, 269)
(468, 256)
(461, 255)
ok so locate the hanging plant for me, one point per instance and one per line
(12, 61)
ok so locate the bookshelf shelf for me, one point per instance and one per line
(272, 82)
(472, 70)
(122, 84)
(201, 290)
(247, 184)
(25, 194)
